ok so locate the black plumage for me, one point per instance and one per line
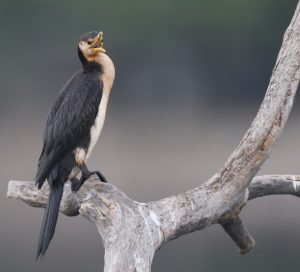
(68, 127)
(69, 121)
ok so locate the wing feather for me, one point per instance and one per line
(69, 121)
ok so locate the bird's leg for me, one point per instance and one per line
(75, 184)
(86, 173)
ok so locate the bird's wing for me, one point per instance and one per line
(69, 121)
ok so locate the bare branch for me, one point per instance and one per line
(83, 202)
(274, 185)
(128, 229)
(239, 234)
(223, 196)
(29, 193)
(256, 144)
(133, 231)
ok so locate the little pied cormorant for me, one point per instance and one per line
(72, 129)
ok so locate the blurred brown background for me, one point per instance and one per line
(190, 78)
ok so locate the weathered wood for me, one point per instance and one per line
(239, 234)
(132, 232)
(125, 224)
(274, 185)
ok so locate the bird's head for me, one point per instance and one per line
(90, 47)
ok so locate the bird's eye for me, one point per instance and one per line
(89, 42)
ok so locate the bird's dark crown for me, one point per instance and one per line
(89, 36)
(90, 45)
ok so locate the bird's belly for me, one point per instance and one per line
(97, 127)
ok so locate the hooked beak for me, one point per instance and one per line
(97, 44)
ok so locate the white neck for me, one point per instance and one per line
(108, 72)
(107, 76)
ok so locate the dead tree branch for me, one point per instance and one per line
(132, 232)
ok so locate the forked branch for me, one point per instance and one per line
(132, 232)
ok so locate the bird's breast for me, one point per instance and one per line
(107, 77)
(99, 121)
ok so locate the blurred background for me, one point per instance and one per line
(190, 78)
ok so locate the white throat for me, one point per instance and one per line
(108, 72)
(107, 77)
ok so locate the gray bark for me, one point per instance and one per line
(132, 232)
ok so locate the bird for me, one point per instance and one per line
(72, 129)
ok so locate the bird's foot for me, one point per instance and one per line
(86, 173)
(100, 176)
(75, 184)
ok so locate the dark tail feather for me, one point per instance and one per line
(50, 219)
(45, 166)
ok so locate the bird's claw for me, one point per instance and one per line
(100, 176)
(75, 185)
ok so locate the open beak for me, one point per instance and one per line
(97, 44)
